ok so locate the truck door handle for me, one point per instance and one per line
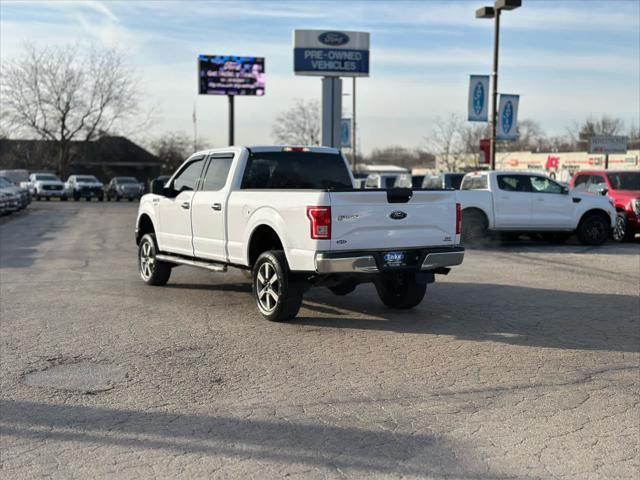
(217, 206)
(185, 205)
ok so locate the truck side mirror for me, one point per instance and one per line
(157, 187)
(603, 191)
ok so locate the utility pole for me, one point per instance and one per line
(353, 125)
(230, 119)
(494, 89)
(494, 12)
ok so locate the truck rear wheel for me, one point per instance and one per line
(474, 227)
(594, 229)
(152, 271)
(400, 290)
(278, 295)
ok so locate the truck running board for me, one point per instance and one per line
(213, 266)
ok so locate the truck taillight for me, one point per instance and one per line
(458, 219)
(320, 222)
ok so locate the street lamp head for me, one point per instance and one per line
(485, 12)
(508, 4)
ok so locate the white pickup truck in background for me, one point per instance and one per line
(524, 202)
(45, 185)
(292, 217)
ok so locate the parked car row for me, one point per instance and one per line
(47, 186)
(12, 197)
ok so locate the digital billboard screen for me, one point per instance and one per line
(231, 75)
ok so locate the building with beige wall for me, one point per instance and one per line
(559, 165)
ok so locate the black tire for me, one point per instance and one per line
(400, 290)
(131, 199)
(594, 229)
(344, 288)
(47, 198)
(101, 198)
(38, 198)
(117, 198)
(76, 196)
(108, 198)
(63, 198)
(88, 199)
(152, 272)
(283, 302)
(474, 227)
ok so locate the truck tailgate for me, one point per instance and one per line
(367, 220)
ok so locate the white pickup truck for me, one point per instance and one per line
(45, 185)
(523, 202)
(291, 216)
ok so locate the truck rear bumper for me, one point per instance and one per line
(373, 262)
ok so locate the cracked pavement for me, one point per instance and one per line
(522, 363)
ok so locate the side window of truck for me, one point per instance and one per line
(544, 185)
(513, 183)
(580, 184)
(217, 173)
(188, 177)
(597, 183)
(475, 182)
(372, 181)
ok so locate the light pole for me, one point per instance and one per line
(494, 12)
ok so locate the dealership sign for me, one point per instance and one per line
(478, 98)
(230, 75)
(331, 53)
(507, 120)
(608, 144)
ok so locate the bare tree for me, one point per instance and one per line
(470, 135)
(173, 148)
(64, 94)
(446, 142)
(300, 125)
(581, 133)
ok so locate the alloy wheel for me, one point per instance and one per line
(147, 260)
(267, 286)
(620, 228)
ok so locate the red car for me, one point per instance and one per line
(623, 187)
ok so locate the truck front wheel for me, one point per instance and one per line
(594, 229)
(278, 294)
(400, 290)
(152, 271)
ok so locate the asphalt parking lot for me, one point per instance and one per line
(522, 363)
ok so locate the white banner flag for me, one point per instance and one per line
(478, 98)
(508, 118)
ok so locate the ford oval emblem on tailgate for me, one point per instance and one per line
(397, 215)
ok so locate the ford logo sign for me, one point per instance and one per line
(478, 98)
(397, 215)
(507, 117)
(333, 39)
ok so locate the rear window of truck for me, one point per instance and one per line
(474, 182)
(295, 171)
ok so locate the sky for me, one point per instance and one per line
(566, 59)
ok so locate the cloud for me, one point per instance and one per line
(99, 7)
(422, 54)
